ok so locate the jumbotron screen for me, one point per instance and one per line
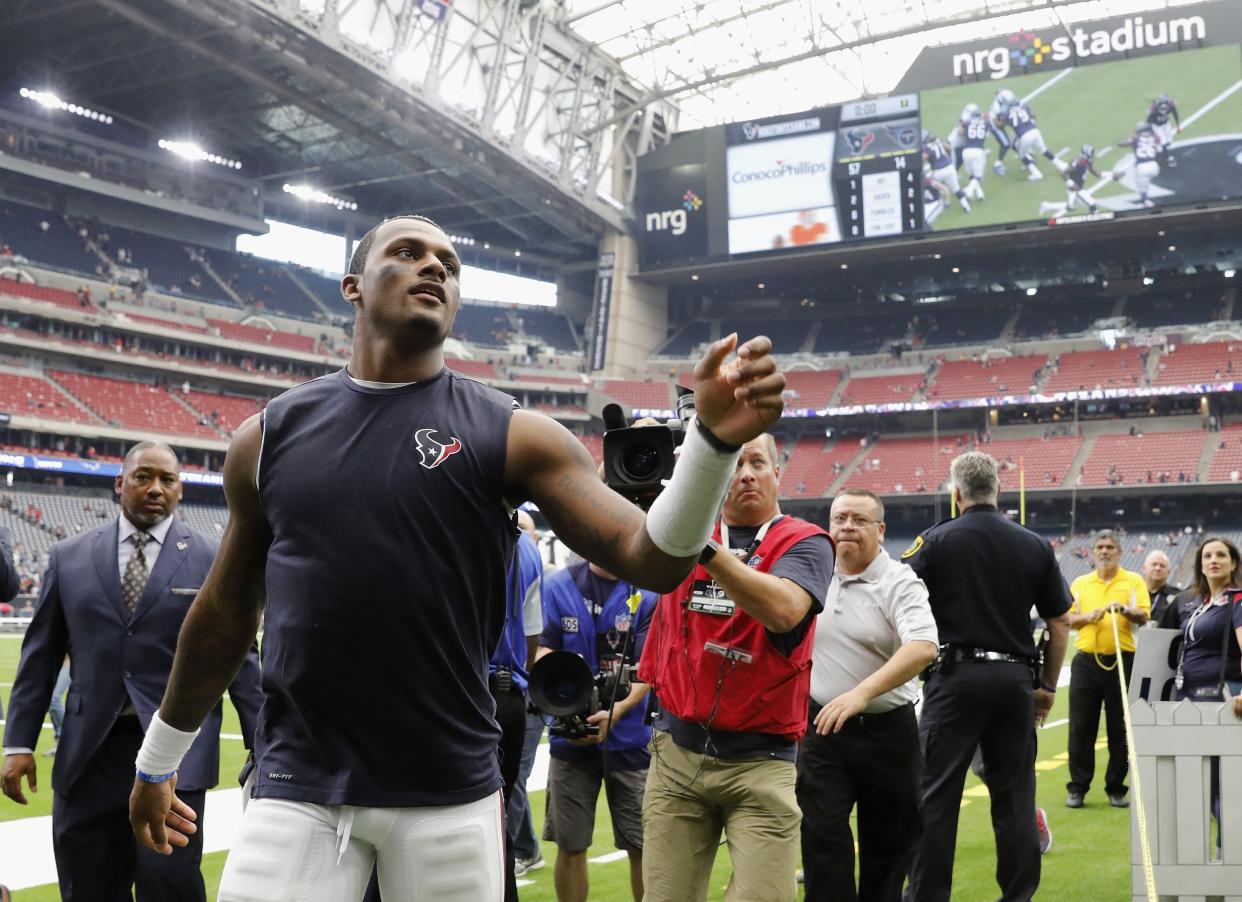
(1102, 120)
(1102, 140)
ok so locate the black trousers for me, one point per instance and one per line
(97, 857)
(874, 763)
(1090, 687)
(991, 705)
(511, 715)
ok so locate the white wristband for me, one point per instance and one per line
(163, 748)
(680, 520)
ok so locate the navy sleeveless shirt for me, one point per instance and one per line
(385, 591)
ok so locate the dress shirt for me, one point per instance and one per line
(867, 617)
(124, 547)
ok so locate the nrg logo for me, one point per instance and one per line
(675, 220)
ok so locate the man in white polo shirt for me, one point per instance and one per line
(875, 634)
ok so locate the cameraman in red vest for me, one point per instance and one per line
(728, 656)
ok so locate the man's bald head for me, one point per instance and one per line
(1156, 570)
(527, 524)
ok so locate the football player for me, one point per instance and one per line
(973, 135)
(936, 198)
(1028, 140)
(1166, 122)
(938, 160)
(1001, 104)
(1146, 147)
(1076, 179)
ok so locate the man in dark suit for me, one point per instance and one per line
(113, 599)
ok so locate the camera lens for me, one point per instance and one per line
(563, 692)
(640, 462)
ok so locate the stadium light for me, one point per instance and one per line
(1229, 273)
(314, 195)
(50, 101)
(1031, 292)
(462, 240)
(188, 150)
(1148, 280)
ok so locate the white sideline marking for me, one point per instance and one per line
(30, 840)
(609, 858)
(1064, 73)
(1210, 105)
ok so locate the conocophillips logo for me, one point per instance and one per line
(675, 220)
(1026, 49)
(780, 170)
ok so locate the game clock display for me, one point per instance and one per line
(877, 173)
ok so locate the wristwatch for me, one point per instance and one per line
(709, 551)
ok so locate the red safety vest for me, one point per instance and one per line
(692, 656)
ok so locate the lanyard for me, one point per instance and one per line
(755, 542)
(1208, 604)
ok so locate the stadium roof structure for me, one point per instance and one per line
(726, 60)
(514, 122)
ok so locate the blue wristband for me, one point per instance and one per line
(154, 778)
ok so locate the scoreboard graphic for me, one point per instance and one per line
(877, 173)
(839, 173)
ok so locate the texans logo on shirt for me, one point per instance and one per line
(433, 452)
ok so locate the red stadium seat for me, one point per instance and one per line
(134, 405)
(1154, 457)
(811, 388)
(813, 465)
(638, 395)
(904, 466)
(33, 396)
(1193, 364)
(1093, 370)
(881, 389)
(960, 379)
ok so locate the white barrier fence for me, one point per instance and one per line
(16, 625)
(1174, 743)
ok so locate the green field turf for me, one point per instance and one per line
(1089, 858)
(1098, 105)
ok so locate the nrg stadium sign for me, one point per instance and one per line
(1026, 50)
(1212, 23)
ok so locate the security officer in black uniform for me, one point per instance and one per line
(983, 573)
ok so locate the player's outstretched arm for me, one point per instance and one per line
(217, 634)
(736, 400)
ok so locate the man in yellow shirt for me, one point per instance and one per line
(1106, 595)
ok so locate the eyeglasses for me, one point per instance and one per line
(843, 519)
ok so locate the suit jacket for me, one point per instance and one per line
(116, 659)
(9, 584)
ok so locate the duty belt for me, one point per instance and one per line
(982, 654)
